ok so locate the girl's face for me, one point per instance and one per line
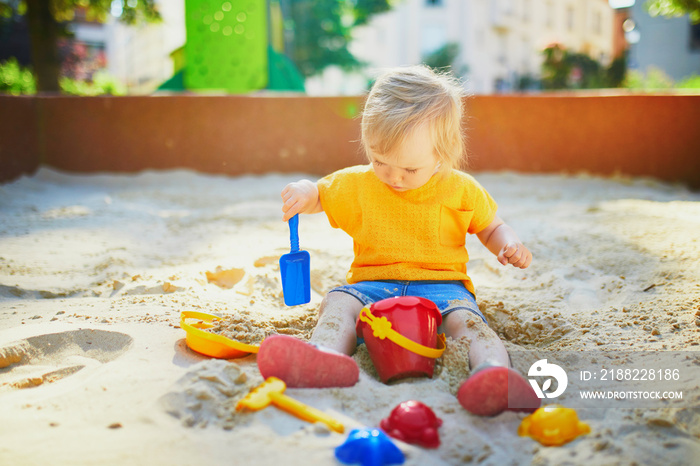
(410, 165)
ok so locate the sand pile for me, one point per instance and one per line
(95, 270)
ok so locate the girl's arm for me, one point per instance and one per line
(501, 240)
(300, 197)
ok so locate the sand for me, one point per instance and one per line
(95, 270)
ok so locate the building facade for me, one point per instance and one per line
(137, 56)
(500, 41)
(669, 44)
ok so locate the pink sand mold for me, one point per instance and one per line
(303, 365)
(413, 422)
(493, 390)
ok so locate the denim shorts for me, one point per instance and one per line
(447, 295)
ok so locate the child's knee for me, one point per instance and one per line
(461, 322)
(340, 303)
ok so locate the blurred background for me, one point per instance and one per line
(335, 47)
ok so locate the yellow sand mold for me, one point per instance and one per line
(211, 344)
(553, 425)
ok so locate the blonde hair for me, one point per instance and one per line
(403, 99)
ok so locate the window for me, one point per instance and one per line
(502, 50)
(525, 54)
(694, 37)
(615, 4)
(526, 10)
(508, 7)
(550, 15)
(597, 20)
(570, 17)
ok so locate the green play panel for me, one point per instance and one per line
(226, 45)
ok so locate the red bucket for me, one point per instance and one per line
(401, 336)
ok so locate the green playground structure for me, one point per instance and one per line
(233, 46)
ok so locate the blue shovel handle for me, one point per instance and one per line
(294, 232)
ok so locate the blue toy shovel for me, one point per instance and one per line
(295, 269)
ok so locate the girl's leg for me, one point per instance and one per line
(484, 345)
(335, 328)
(493, 387)
(323, 363)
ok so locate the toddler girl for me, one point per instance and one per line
(408, 212)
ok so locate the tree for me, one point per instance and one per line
(674, 8)
(555, 67)
(365, 9)
(320, 30)
(443, 59)
(48, 20)
(564, 69)
(320, 36)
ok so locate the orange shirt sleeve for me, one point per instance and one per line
(337, 193)
(481, 203)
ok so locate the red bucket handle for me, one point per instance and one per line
(381, 328)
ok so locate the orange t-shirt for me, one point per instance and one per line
(417, 234)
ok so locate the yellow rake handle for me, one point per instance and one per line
(272, 391)
(381, 328)
(305, 412)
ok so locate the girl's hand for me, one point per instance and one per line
(300, 197)
(516, 254)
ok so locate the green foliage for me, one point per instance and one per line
(634, 80)
(691, 82)
(656, 80)
(617, 70)
(527, 82)
(9, 8)
(133, 11)
(586, 73)
(15, 79)
(319, 31)
(555, 68)
(47, 20)
(321, 35)
(102, 84)
(444, 58)
(674, 8)
(364, 9)
(563, 69)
